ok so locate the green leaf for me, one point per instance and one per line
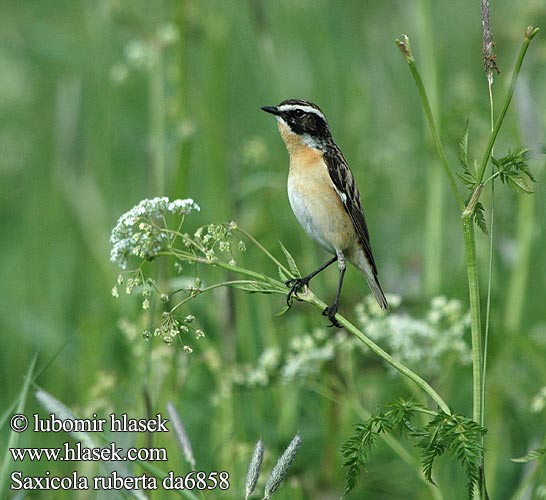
(467, 176)
(463, 148)
(356, 451)
(518, 183)
(458, 435)
(532, 455)
(254, 287)
(401, 412)
(282, 275)
(264, 285)
(513, 170)
(455, 434)
(291, 262)
(427, 456)
(479, 217)
(357, 448)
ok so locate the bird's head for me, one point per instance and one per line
(301, 121)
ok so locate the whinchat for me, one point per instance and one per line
(324, 196)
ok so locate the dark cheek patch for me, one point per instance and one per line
(312, 124)
(298, 128)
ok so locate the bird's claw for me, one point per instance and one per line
(295, 284)
(331, 311)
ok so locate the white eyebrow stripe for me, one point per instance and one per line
(307, 109)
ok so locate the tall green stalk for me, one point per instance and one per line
(468, 210)
(475, 315)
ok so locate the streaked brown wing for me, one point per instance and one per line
(345, 185)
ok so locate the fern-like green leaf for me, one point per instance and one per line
(455, 434)
(479, 217)
(513, 169)
(463, 148)
(356, 451)
(458, 435)
(401, 413)
(428, 455)
(467, 176)
(517, 182)
(357, 448)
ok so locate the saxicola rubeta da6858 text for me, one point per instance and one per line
(324, 197)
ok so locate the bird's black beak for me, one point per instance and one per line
(271, 109)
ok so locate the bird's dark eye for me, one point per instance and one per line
(298, 113)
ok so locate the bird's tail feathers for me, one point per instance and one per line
(371, 277)
(378, 292)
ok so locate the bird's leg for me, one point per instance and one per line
(331, 311)
(296, 284)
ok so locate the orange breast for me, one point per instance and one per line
(315, 202)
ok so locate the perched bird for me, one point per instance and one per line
(324, 196)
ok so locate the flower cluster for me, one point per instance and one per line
(153, 228)
(142, 230)
(172, 327)
(135, 281)
(419, 342)
(218, 237)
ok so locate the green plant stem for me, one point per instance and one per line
(208, 289)
(404, 47)
(475, 315)
(490, 266)
(219, 263)
(529, 35)
(404, 370)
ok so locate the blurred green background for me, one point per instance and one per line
(106, 102)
